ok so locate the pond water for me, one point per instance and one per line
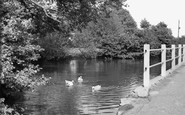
(117, 78)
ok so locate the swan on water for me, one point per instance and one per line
(69, 83)
(80, 79)
(96, 88)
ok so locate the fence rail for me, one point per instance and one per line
(147, 66)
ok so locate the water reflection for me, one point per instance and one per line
(117, 78)
(73, 68)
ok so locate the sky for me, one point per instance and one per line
(155, 11)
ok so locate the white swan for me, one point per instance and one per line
(80, 79)
(69, 83)
(96, 88)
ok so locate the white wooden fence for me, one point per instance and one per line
(147, 66)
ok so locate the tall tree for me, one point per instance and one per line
(145, 24)
(18, 51)
(65, 15)
(163, 33)
(127, 21)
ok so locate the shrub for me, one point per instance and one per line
(55, 45)
(18, 52)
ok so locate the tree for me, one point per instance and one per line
(18, 51)
(163, 33)
(106, 31)
(65, 15)
(127, 21)
(145, 24)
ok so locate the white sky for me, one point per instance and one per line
(155, 11)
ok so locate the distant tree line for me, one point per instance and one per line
(95, 24)
(114, 32)
(100, 28)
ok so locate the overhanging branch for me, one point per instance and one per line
(48, 6)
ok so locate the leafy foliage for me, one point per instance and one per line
(55, 45)
(5, 110)
(18, 51)
(63, 15)
(145, 24)
(94, 22)
(111, 31)
(163, 33)
(127, 21)
(180, 40)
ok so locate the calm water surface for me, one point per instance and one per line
(117, 78)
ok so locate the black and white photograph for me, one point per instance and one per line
(92, 57)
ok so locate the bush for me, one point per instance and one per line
(121, 46)
(5, 110)
(180, 40)
(55, 45)
(85, 43)
(18, 52)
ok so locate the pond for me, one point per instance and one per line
(116, 77)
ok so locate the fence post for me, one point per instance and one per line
(163, 60)
(183, 52)
(180, 55)
(146, 74)
(173, 56)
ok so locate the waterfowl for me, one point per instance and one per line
(96, 88)
(80, 79)
(69, 83)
